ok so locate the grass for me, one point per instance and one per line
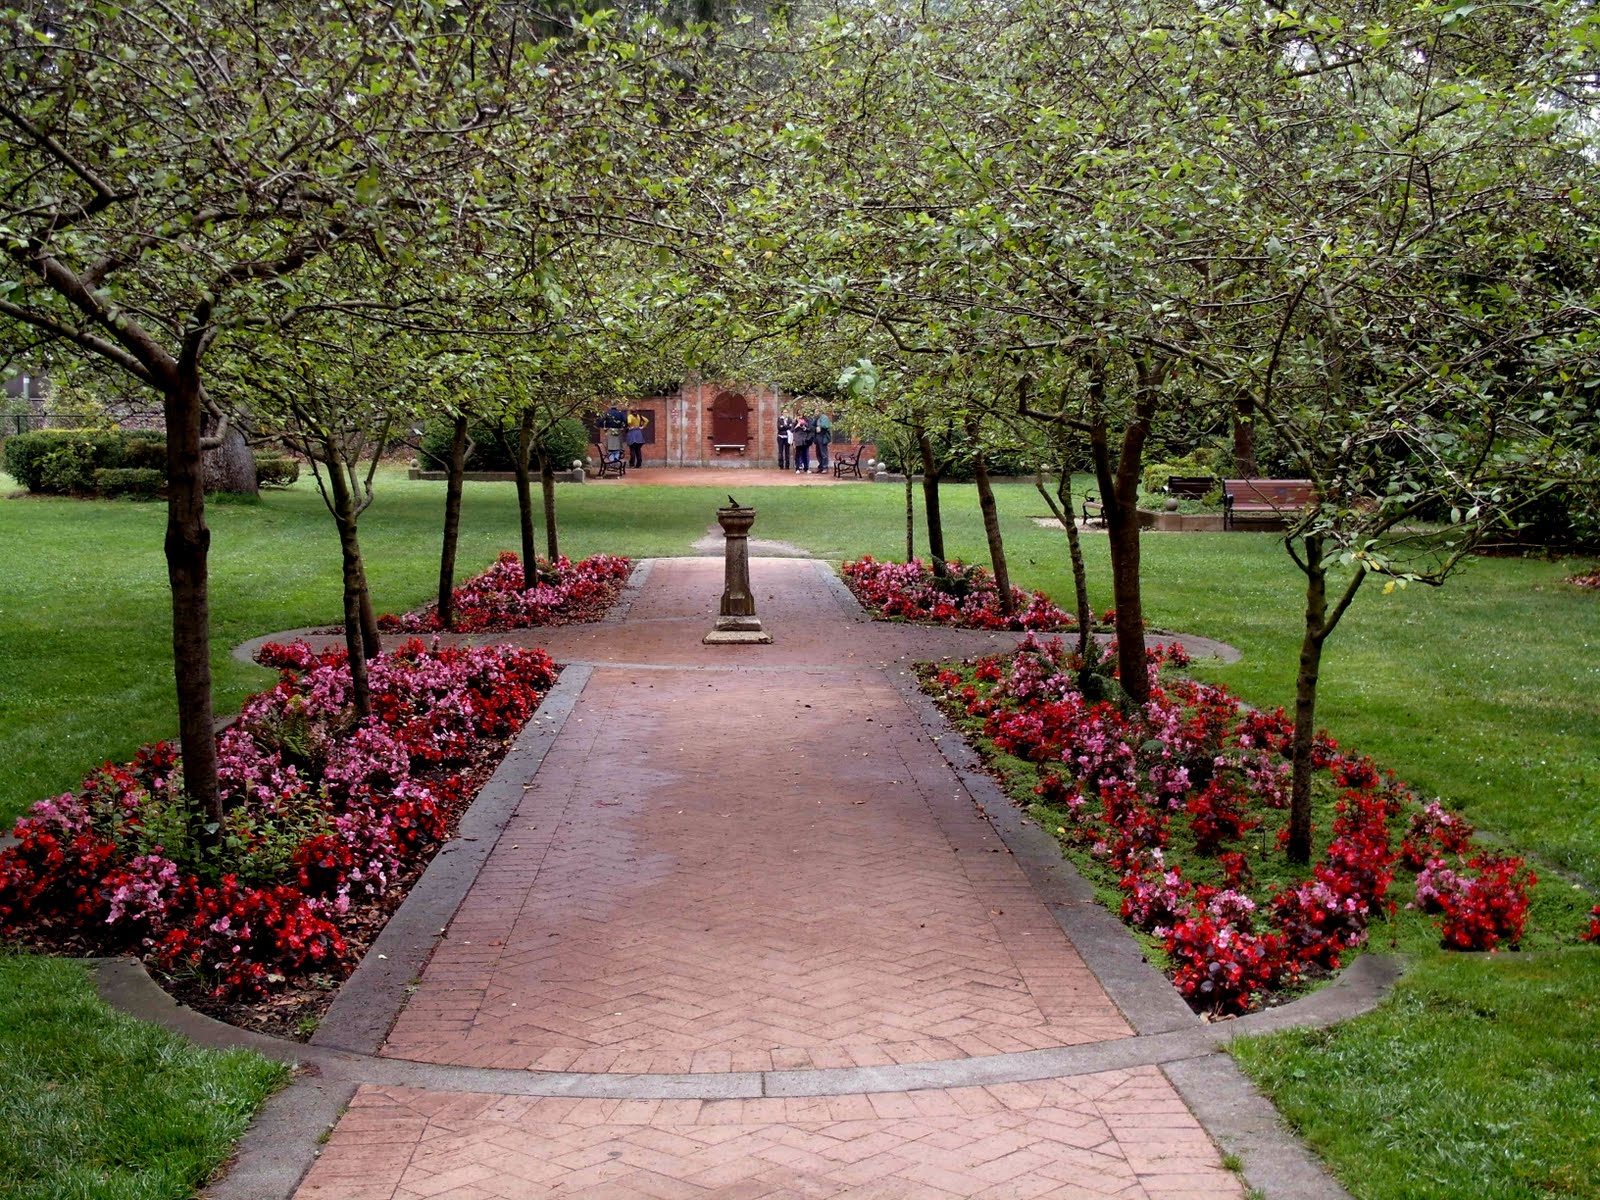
(1481, 692)
(98, 1106)
(1478, 1078)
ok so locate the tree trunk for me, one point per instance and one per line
(229, 466)
(1080, 574)
(547, 486)
(991, 525)
(911, 515)
(188, 542)
(932, 472)
(371, 635)
(1305, 700)
(345, 516)
(911, 519)
(1244, 438)
(1119, 488)
(455, 477)
(525, 497)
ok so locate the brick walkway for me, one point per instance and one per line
(745, 859)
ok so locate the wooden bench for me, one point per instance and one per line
(1191, 487)
(1093, 509)
(1264, 503)
(612, 463)
(848, 462)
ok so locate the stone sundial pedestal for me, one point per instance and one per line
(737, 622)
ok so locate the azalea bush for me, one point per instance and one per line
(964, 596)
(325, 813)
(563, 592)
(1170, 797)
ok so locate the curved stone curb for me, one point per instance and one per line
(1196, 646)
(125, 984)
(635, 583)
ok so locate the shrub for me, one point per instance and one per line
(276, 470)
(145, 448)
(490, 450)
(61, 461)
(495, 449)
(567, 442)
(76, 461)
(1203, 461)
(143, 483)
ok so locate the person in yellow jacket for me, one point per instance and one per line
(636, 424)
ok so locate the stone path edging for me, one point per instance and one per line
(124, 983)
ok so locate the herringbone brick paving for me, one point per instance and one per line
(748, 869)
(673, 896)
(1117, 1134)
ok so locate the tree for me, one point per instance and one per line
(1394, 309)
(166, 181)
(332, 388)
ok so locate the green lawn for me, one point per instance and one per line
(98, 1106)
(1478, 1078)
(1481, 692)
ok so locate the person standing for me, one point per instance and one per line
(785, 459)
(821, 437)
(636, 423)
(802, 445)
(613, 429)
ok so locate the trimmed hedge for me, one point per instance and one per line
(68, 462)
(1204, 461)
(62, 461)
(492, 451)
(145, 448)
(142, 483)
(276, 470)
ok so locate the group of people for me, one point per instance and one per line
(623, 428)
(799, 436)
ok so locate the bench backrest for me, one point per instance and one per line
(1273, 493)
(1193, 487)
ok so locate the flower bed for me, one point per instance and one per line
(327, 815)
(1195, 777)
(965, 596)
(564, 592)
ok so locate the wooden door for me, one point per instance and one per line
(730, 423)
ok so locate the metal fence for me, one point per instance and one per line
(20, 422)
